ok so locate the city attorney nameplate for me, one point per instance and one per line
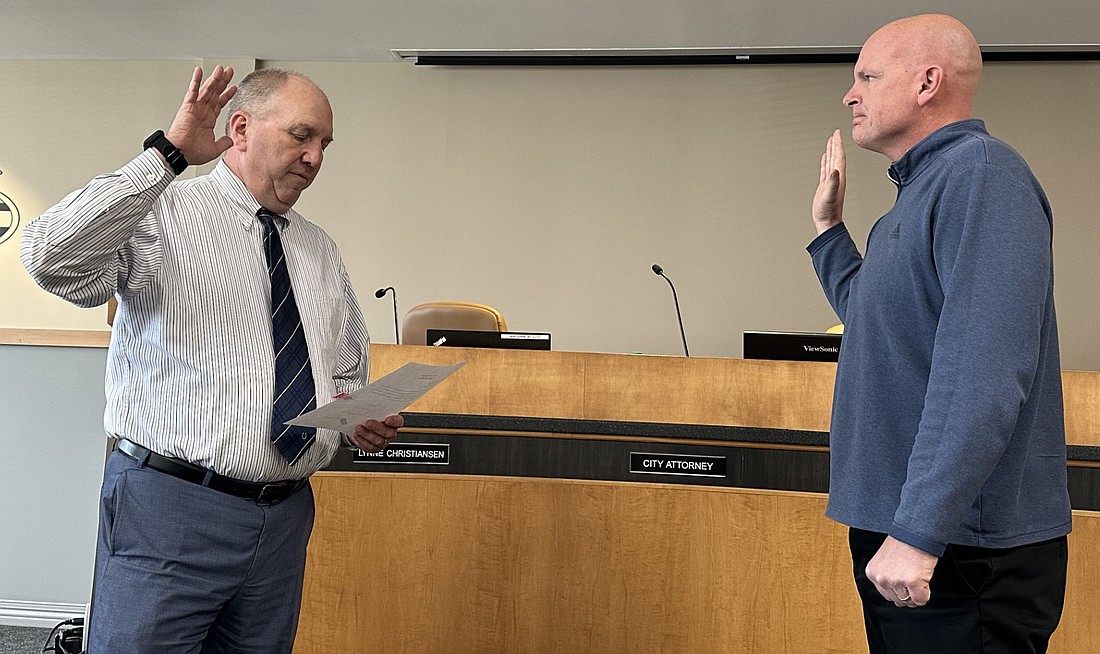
(685, 465)
(408, 453)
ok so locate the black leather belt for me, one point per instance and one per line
(260, 493)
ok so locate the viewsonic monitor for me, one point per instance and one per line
(791, 346)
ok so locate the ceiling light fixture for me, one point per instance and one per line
(711, 56)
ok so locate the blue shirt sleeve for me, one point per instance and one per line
(992, 252)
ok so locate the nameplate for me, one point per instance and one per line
(408, 453)
(684, 465)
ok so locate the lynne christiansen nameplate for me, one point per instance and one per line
(433, 454)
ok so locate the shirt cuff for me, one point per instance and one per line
(147, 173)
(909, 537)
(836, 231)
(348, 444)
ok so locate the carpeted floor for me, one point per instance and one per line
(22, 640)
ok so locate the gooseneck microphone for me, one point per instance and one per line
(380, 293)
(661, 272)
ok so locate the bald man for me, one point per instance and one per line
(947, 445)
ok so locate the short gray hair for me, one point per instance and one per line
(258, 90)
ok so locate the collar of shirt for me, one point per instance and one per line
(238, 194)
(925, 152)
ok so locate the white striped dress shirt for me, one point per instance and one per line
(190, 369)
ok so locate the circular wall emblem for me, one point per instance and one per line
(9, 218)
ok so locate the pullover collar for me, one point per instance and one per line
(925, 152)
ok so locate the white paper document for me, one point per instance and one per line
(384, 397)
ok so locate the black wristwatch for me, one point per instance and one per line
(175, 158)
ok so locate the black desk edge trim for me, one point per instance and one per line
(671, 431)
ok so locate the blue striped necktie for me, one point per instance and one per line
(294, 391)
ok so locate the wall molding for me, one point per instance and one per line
(56, 337)
(19, 613)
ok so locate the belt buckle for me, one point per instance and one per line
(271, 493)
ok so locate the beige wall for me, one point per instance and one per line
(548, 193)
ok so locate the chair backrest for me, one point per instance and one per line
(449, 315)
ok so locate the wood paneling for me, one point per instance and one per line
(1079, 631)
(478, 565)
(464, 564)
(598, 386)
(481, 565)
(696, 390)
(1082, 401)
(56, 337)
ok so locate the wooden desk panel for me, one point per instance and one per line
(596, 386)
(482, 565)
(422, 564)
(427, 563)
(1079, 631)
(698, 390)
(1081, 392)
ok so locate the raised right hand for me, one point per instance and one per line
(192, 129)
(828, 206)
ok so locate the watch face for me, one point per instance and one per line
(151, 141)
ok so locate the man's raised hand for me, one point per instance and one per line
(192, 129)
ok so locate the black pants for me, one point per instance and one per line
(984, 600)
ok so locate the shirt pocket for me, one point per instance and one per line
(322, 308)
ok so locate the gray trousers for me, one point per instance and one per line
(184, 569)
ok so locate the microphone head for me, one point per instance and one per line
(380, 292)
(657, 269)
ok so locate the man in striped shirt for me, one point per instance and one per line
(204, 523)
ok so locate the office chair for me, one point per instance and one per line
(449, 315)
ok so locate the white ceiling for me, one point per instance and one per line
(353, 30)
